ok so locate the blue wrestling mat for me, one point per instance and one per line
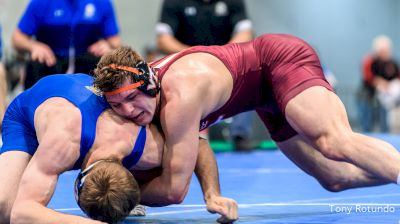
(269, 189)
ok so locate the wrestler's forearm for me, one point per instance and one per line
(207, 171)
(33, 212)
(163, 190)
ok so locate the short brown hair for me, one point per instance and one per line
(110, 192)
(107, 78)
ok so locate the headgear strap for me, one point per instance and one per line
(126, 68)
(80, 180)
(125, 88)
(143, 78)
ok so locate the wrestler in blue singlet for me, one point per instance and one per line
(18, 125)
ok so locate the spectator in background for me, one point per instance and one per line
(3, 85)
(207, 22)
(379, 71)
(65, 36)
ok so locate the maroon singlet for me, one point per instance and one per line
(267, 72)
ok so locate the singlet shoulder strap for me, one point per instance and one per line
(137, 150)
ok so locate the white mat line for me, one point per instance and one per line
(316, 204)
(237, 170)
(346, 198)
(175, 212)
(275, 205)
(256, 205)
(261, 170)
(296, 204)
(312, 202)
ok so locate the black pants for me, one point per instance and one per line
(84, 63)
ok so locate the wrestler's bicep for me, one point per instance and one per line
(179, 120)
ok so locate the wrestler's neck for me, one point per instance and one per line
(156, 116)
(121, 146)
(115, 137)
(153, 150)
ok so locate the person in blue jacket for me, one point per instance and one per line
(65, 36)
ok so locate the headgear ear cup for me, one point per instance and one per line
(142, 76)
(151, 84)
(80, 180)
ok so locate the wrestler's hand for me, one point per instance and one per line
(42, 53)
(226, 207)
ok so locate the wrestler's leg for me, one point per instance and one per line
(319, 116)
(332, 175)
(12, 166)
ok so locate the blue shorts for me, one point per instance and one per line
(18, 134)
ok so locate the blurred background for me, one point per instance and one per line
(341, 31)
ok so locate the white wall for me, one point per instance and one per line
(340, 30)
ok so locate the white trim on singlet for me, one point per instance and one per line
(165, 60)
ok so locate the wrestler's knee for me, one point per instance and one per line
(333, 185)
(334, 145)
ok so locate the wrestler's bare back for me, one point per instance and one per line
(115, 136)
(203, 75)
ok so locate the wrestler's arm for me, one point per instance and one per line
(54, 155)
(206, 170)
(179, 118)
(207, 173)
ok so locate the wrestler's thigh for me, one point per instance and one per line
(317, 112)
(312, 161)
(12, 166)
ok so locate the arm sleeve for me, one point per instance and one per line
(110, 26)
(28, 23)
(170, 14)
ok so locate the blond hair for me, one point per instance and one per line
(110, 192)
(108, 78)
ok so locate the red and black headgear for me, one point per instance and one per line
(142, 76)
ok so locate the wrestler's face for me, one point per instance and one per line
(134, 105)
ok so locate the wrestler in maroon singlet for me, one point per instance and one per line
(267, 72)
